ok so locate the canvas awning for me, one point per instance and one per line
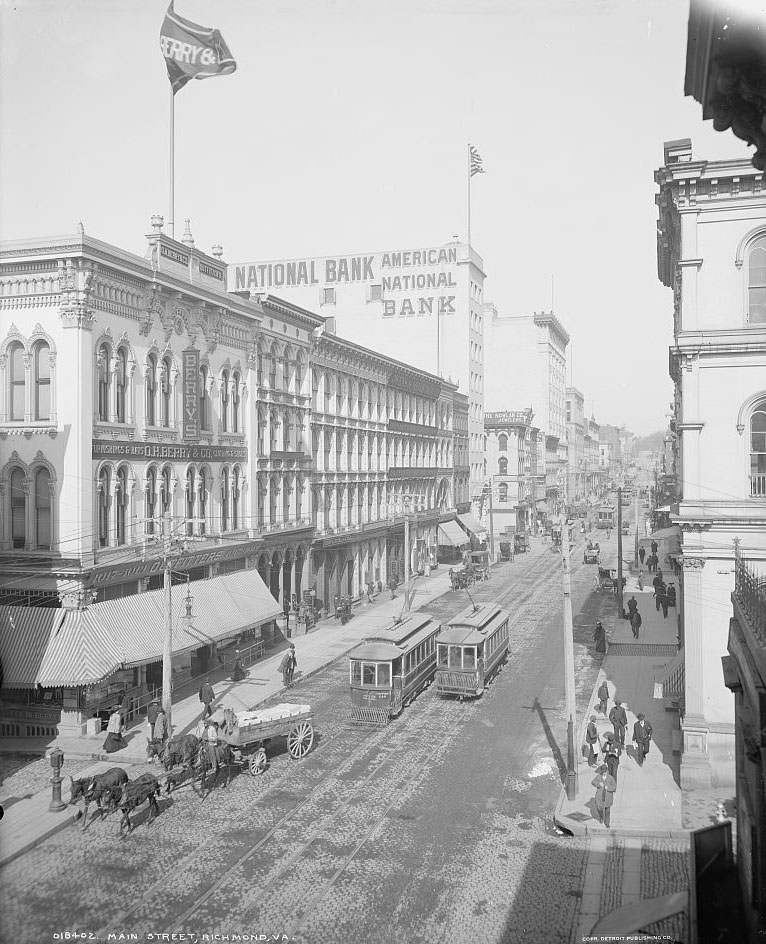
(24, 635)
(472, 526)
(90, 644)
(451, 533)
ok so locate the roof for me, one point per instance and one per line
(24, 635)
(460, 636)
(91, 643)
(376, 652)
(450, 532)
(404, 632)
(472, 525)
(479, 618)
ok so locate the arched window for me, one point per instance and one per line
(42, 509)
(299, 373)
(235, 402)
(502, 492)
(104, 374)
(104, 498)
(190, 500)
(42, 382)
(18, 508)
(235, 499)
(151, 390)
(273, 367)
(166, 495)
(225, 401)
(756, 282)
(151, 500)
(122, 504)
(339, 396)
(225, 500)
(502, 442)
(166, 391)
(502, 466)
(202, 503)
(121, 380)
(204, 399)
(758, 451)
(18, 383)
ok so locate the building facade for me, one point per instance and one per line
(576, 467)
(509, 467)
(147, 415)
(712, 254)
(428, 302)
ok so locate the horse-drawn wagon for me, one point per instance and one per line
(250, 732)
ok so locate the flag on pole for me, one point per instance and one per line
(476, 161)
(192, 51)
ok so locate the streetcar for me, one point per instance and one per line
(605, 516)
(388, 670)
(470, 650)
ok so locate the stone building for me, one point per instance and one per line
(509, 469)
(149, 416)
(576, 467)
(711, 246)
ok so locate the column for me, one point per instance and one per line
(695, 765)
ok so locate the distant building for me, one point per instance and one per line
(576, 466)
(509, 470)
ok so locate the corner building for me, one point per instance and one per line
(143, 410)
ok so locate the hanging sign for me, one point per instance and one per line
(191, 394)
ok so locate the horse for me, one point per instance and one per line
(222, 755)
(134, 793)
(96, 787)
(155, 748)
(180, 750)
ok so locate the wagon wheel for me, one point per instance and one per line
(257, 762)
(300, 739)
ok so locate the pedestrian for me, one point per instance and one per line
(611, 754)
(151, 716)
(642, 554)
(160, 730)
(591, 739)
(284, 667)
(642, 736)
(660, 594)
(654, 548)
(635, 623)
(286, 611)
(392, 587)
(632, 605)
(664, 601)
(603, 696)
(619, 722)
(599, 637)
(293, 664)
(211, 742)
(605, 786)
(114, 739)
(207, 697)
(125, 706)
(238, 672)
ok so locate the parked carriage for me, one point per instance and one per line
(470, 650)
(251, 732)
(389, 669)
(592, 553)
(480, 565)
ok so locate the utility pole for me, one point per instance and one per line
(635, 541)
(619, 553)
(569, 679)
(407, 553)
(167, 648)
(491, 528)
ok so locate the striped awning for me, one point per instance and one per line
(472, 525)
(93, 643)
(24, 635)
(451, 533)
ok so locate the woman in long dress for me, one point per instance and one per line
(114, 739)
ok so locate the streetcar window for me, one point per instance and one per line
(384, 674)
(469, 657)
(368, 673)
(356, 672)
(442, 655)
(455, 657)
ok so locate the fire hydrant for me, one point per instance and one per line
(57, 762)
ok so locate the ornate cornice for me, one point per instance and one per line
(691, 563)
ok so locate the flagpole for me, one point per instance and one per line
(171, 221)
(469, 195)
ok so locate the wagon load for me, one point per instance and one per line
(250, 732)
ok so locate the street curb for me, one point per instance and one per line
(66, 820)
(590, 830)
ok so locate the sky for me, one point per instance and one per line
(345, 129)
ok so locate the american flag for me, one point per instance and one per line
(476, 161)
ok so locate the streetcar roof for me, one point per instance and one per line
(460, 636)
(375, 652)
(478, 617)
(401, 632)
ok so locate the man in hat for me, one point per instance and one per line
(642, 736)
(293, 663)
(603, 697)
(591, 739)
(619, 722)
(151, 716)
(605, 786)
(207, 697)
(611, 754)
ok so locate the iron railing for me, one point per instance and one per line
(750, 590)
(758, 485)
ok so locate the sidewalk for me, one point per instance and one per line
(648, 798)
(27, 822)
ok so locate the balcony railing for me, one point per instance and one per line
(750, 590)
(758, 485)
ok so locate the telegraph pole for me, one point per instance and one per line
(406, 554)
(635, 541)
(491, 528)
(569, 679)
(619, 554)
(167, 648)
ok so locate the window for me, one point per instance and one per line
(299, 373)
(376, 293)
(368, 673)
(758, 451)
(103, 508)
(18, 509)
(225, 500)
(202, 502)
(166, 495)
(273, 368)
(104, 356)
(18, 384)
(756, 283)
(204, 400)
(235, 499)
(190, 489)
(503, 493)
(121, 381)
(328, 296)
(42, 381)
(502, 466)
(151, 500)
(151, 390)
(122, 504)
(225, 401)
(166, 392)
(235, 403)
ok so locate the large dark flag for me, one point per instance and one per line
(192, 51)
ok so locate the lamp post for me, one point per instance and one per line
(569, 679)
